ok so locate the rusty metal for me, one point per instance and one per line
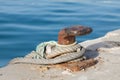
(67, 35)
(77, 65)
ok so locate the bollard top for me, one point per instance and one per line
(67, 35)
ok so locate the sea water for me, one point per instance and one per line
(26, 23)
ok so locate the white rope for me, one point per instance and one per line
(59, 59)
(46, 50)
(58, 54)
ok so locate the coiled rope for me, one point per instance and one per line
(52, 53)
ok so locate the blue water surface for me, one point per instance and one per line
(26, 23)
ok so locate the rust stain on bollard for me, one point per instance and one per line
(67, 35)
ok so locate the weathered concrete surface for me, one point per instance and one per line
(106, 49)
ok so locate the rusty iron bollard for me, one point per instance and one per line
(67, 35)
